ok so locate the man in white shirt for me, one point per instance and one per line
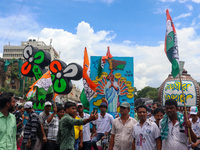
(103, 125)
(122, 128)
(154, 106)
(86, 127)
(158, 115)
(146, 134)
(195, 126)
(172, 131)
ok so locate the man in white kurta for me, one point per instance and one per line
(146, 133)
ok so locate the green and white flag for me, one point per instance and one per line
(171, 46)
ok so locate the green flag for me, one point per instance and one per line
(84, 100)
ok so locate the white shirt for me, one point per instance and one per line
(86, 128)
(123, 133)
(145, 136)
(196, 128)
(53, 128)
(103, 124)
(152, 118)
(177, 139)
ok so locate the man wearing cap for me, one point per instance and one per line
(8, 126)
(30, 129)
(44, 126)
(103, 125)
(195, 126)
(86, 127)
(122, 128)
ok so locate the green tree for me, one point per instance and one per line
(7, 89)
(148, 92)
(135, 92)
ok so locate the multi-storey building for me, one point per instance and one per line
(12, 51)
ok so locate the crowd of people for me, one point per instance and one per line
(68, 127)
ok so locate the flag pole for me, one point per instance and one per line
(186, 114)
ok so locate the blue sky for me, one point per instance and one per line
(130, 27)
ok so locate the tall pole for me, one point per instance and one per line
(186, 114)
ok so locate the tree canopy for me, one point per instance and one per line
(147, 92)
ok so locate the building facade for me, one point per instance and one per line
(73, 96)
(12, 51)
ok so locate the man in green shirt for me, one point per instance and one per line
(66, 137)
(8, 127)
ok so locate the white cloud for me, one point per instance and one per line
(167, 0)
(190, 7)
(177, 24)
(183, 16)
(162, 10)
(16, 29)
(196, 1)
(107, 1)
(128, 42)
(150, 62)
(103, 1)
(180, 1)
(183, 1)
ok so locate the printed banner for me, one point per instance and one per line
(115, 85)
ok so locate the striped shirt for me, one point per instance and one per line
(42, 118)
(18, 116)
(31, 127)
(53, 128)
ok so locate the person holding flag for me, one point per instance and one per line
(171, 50)
(172, 129)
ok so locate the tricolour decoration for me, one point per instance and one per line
(89, 87)
(31, 93)
(115, 85)
(171, 45)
